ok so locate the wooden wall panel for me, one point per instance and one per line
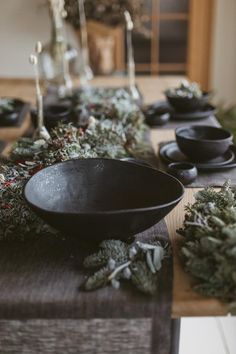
(200, 41)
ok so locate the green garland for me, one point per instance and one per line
(117, 132)
(209, 245)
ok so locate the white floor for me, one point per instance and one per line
(208, 335)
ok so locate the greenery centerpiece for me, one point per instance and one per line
(209, 242)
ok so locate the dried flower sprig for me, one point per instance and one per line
(117, 260)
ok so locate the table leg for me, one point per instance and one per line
(175, 335)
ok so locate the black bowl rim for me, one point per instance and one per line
(191, 167)
(106, 212)
(188, 138)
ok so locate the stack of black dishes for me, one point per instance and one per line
(157, 114)
(179, 109)
(95, 199)
(189, 106)
(13, 111)
(207, 148)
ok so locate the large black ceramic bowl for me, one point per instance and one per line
(188, 104)
(102, 198)
(203, 142)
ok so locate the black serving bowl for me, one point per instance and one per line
(185, 172)
(188, 104)
(102, 198)
(203, 142)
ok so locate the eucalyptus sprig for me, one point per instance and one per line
(117, 261)
(209, 242)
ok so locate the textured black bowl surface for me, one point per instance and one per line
(185, 104)
(102, 198)
(203, 142)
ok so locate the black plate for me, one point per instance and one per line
(102, 198)
(170, 152)
(17, 117)
(208, 111)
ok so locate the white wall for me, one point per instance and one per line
(223, 76)
(22, 23)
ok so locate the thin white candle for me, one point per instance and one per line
(130, 57)
(87, 73)
(41, 131)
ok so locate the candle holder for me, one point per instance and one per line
(40, 131)
(58, 59)
(86, 73)
(131, 63)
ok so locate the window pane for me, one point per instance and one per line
(174, 5)
(173, 42)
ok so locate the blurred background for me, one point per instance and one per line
(193, 38)
(172, 39)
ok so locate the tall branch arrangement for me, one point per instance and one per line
(110, 13)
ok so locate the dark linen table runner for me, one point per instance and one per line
(41, 278)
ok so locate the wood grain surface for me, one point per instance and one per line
(186, 302)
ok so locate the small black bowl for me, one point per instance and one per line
(185, 172)
(203, 142)
(157, 115)
(102, 198)
(188, 104)
(54, 114)
(10, 118)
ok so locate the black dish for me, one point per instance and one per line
(102, 198)
(16, 116)
(206, 111)
(202, 142)
(170, 152)
(186, 104)
(157, 114)
(54, 114)
(185, 172)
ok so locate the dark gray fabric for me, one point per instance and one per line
(41, 278)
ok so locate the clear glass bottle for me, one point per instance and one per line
(58, 60)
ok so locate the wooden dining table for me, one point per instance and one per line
(186, 301)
